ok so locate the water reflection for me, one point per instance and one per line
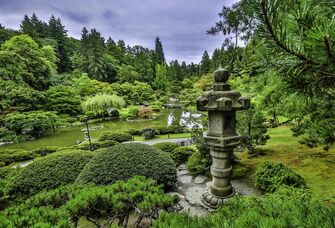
(187, 119)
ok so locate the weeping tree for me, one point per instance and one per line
(102, 103)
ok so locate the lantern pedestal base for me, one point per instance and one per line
(213, 201)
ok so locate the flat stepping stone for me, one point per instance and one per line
(192, 210)
(182, 167)
(183, 172)
(200, 179)
(193, 195)
(185, 179)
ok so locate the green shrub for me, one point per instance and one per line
(45, 150)
(9, 156)
(48, 172)
(149, 133)
(166, 146)
(172, 129)
(285, 208)
(124, 161)
(103, 144)
(133, 112)
(198, 163)
(270, 176)
(7, 135)
(64, 206)
(181, 154)
(90, 114)
(115, 136)
(2, 164)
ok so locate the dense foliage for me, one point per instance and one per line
(285, 208)
(181, 154)
(270, 177)
(115, 136)
(49, 172)
(166, 146)
(102, 205)
(124, 161)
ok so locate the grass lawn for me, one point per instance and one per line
(315, 165)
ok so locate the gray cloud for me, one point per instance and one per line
(181, 25)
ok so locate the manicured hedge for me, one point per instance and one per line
(9, 156)
(124, 161)
(115, 136)
(45, 150)
(271, 176)
(166, 146)
(96, 145)
(181, 154)
(48, 172)
(285, 208)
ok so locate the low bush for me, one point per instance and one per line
(115, 136)
(124, 161)
(149, 133)
(172, 129)
(49, 172)
(96, 145)
(166, 146)
(64, 206)
(45, 150)
(271, 176)
(133, 112)
(181, 154)
(285, 208)
(198, 163)
(9, 156)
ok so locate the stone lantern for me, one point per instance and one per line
(221, 137)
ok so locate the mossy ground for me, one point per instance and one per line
(314, 164)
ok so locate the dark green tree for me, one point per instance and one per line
(58, 33)
(160, 58)
(205, 63)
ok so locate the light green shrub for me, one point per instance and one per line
(271, 176)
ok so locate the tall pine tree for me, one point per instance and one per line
(160, 58)
(205, 63)
(58, 33)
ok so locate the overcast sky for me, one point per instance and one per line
(181, 24)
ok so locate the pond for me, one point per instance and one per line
(69, 136)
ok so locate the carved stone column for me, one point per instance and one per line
(221, 137)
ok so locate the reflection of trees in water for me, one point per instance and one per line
(184, 118)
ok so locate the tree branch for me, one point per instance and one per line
(275, 38)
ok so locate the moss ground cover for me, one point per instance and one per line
(314, 165)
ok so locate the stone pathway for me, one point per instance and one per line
(190, 189)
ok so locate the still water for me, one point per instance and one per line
(69, 136)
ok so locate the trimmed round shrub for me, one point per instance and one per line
(181, 154)
(271, 176)
(166, 146)
(45, 150)
(124, 161)
(115, 136)
(149, 133)
(103, 144)
(15, 155)
(48, 172)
